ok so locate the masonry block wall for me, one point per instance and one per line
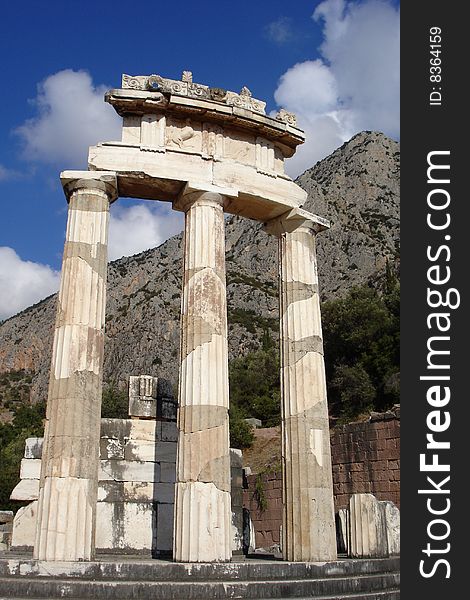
(366, 459)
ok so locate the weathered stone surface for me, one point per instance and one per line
(161, 580)
(26, 489)
(167, 472)
(343, 530)
(308, 512)
(6, 516)
(126, 470)
(164, 527)
(205, 536)
(127, 527)
(143, 396)
(111, 449)
(368, 537)
(24, 526)
(168, 432)
(202, 500)
(67, 494)
(150, 451)
(33, 447)
(30, 468)
(392, 524)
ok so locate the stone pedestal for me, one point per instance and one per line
(308, 512)
(69, 474)
(202, 501)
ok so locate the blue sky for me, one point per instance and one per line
(335, 63)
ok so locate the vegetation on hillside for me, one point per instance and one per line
(361, 335)
(27, 422)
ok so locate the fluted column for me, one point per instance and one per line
(308, 509)
(69, 473)
(202, 531)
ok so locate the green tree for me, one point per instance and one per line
(114, 403)
(241, 433)
(254, 385)
(361, 339)
(27, 422)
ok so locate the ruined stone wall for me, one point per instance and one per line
(366, 459)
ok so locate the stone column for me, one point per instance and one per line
(69, 473)
(202, 502)
(308, 511)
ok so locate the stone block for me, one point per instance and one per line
(124, 470)
(167, 472)
(168, 431)
(30, 468)
(237, 530)
(342, 530)
(6, 516)
(125, 527)
(33, 447)
(164, 388)
(236, 458)
(24, 527)
(26, 489)
(368, 532)
(392, 523)
(164, 527)
(237, 497)
(111, 448)
(142, 430)
(254, 422)
(125, 491)
(143, 396)
(167, 409)
(164, 493)
(150, 451)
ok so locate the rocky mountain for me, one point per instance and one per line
(356, 187)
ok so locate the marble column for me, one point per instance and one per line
(69, 473)
(202, 531)
(308, 510)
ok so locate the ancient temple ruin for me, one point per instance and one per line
(207, 151)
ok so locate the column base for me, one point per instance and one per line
(202, 523)
(65, 531)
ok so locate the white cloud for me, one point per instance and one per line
(354, 86)
(141, 226)
(23, 282)
(71, 115)
(280, 30)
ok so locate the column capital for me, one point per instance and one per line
(203, 192)
(105, 181)
(295, 220)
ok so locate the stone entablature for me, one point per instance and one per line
(171, 137)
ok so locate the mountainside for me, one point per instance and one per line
(357, 188)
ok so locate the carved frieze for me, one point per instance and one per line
(212, 141)
(240, 147)
(183, 134)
